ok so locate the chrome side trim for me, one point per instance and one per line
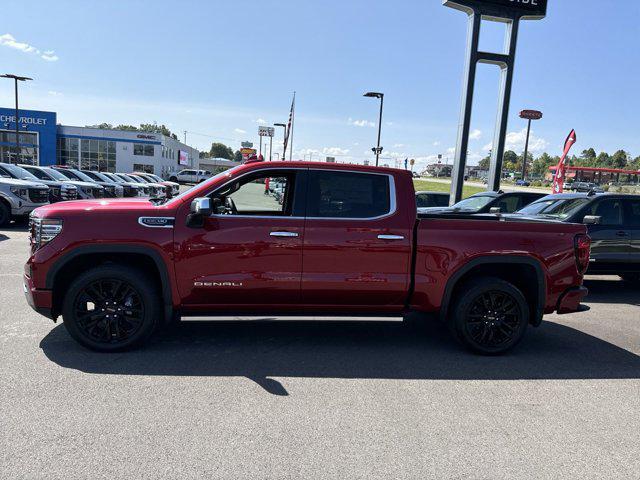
(390, 237)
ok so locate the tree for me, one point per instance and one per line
(586, 159)
(238, 156)
(128, 128)
(541, 164)
(603, 160)
(635, 164)
(220, 150)
(510, 161)
(485, 163)
(102, 126)
(620, 159)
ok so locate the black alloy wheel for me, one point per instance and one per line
(109, 310)
(112, 308)
(493, 319)
(489, 315)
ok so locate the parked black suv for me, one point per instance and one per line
(488, 202)
(613, 221)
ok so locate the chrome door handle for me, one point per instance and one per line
(390, 237)
(284, 234)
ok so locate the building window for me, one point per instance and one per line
(141, 167)
(96, 155)
(143, 150)
(67, 151)
(28, 148)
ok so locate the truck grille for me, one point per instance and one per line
(69, 194)
(39, 195)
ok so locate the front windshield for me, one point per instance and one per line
(18, 172)
(127, 178)
(56, 174)
(473, 204)
(97, 176)
(82, 176)
(113, 177)
(555, 208)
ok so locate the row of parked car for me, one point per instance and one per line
(613, 220)
(23, 188)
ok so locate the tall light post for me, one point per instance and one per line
(16, 79)
(284, 127)
(378, 149)
(528, 115)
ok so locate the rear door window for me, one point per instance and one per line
(335, 194)
(632, 215)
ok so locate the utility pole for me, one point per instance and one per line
(530, 115)
(16, 79)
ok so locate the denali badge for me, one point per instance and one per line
(156, 222)
(217, 284)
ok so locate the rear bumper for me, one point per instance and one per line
(40, 300)
(570, 301)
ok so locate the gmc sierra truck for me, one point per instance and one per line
(297, 238)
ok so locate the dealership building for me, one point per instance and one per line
(44, 142)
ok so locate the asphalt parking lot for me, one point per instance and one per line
(308, 399)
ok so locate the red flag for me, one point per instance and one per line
(560, 175)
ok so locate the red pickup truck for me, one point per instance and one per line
(297, 238)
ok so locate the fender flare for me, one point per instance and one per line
(165, 279)
(488, 259)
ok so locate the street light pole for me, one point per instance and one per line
(378, 148)
(284, 126)
(16, 79)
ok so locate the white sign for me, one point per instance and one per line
(266, 131)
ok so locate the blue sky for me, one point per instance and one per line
(218, 69)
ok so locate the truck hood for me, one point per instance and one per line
(21, 183)
(98, 205)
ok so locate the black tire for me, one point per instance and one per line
(5, 214)
(112, 308)
(173, 179)
(633, 278)
(489, 316)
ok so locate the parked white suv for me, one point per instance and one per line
(18, 198)
(190, 176)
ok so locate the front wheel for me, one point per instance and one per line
(490, 316)
(5, 214)
(111, 308)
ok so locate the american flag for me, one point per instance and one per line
(559, 177)
(289, 125)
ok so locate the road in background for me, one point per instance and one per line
(323, 400)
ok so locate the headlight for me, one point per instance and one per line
(43, 230)
(20, 192)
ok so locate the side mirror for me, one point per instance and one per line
(201, 206)
(495, 210)
(591, 220)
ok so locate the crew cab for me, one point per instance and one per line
(336, 240)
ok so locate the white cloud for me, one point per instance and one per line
(361, 123)
(390, 123)
(335, 151)
(515, 141)
(398, 145)
(239, 130)
(9, 40)
(436, 143)
(451, 150)
(475, 134)
(53, 93)
(261, 121)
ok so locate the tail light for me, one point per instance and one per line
(583, 250)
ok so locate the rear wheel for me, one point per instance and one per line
(490, 316)
(111, 308)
